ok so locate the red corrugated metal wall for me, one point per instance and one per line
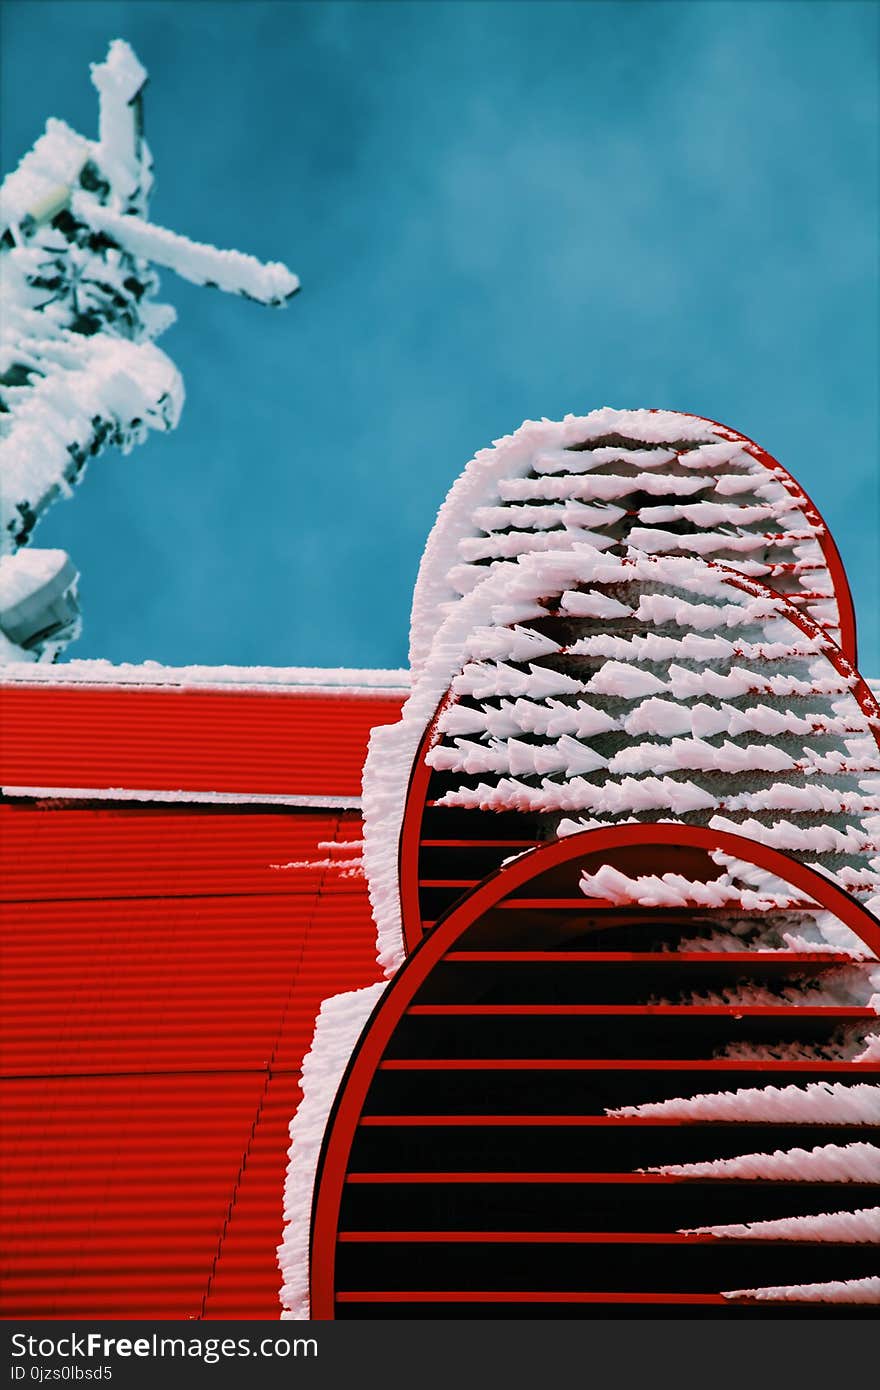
(161, 978)
(285, 743)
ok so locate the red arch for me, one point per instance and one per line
(417, 790)
(369, 1051)
(827, 544)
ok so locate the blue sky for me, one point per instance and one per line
(498, 211)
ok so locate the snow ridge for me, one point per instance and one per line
(829, 1163)
(818, 1103)
(835, 1291)
(337, 1028)
(861, 1227)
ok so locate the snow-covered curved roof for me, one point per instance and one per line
(659, 481)
(592, 645)
(590, 688)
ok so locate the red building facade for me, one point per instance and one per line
(540, 981)
(161, 974)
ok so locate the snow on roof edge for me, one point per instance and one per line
(331, 680)
(301, 800)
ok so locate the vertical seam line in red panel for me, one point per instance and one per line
(237, 1181)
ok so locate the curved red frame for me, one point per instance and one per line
(410, 830)
(827, 544)
(368, 1053)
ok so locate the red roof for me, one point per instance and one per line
(162, 979)
(290, 742)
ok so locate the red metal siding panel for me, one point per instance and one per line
(290, 743)
(116, 1190)
(162, 982)
(136, 985)
(159, 851)
(246, 1280)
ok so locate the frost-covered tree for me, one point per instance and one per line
(79, 368)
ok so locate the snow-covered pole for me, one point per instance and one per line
(79, 369)
(232, 271)
(120, 82)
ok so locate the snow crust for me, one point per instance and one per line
(339, 1024)
(53, 163)
(39, 609)
(326, 680)
(548, 485)
(232, 271)
(674, 890)
(37, 793)
(21, 574)
(819, 1103)
(829, 1163)
(343, 857)
(835, 1291)
(861, 1227)
(11, 652)
(119, 81)
(50, 429)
